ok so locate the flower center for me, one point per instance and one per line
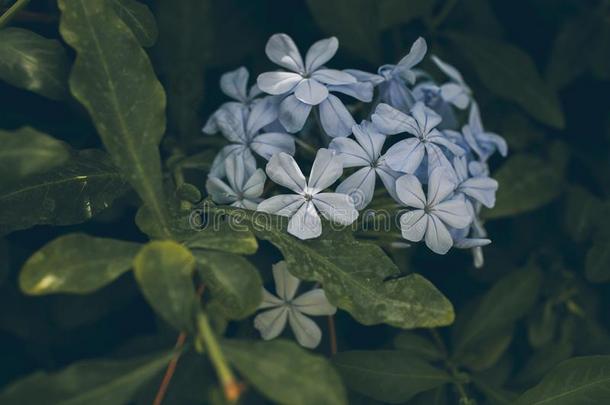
(308, 197)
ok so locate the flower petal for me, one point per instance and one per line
(454, 213)
(314, 303)
(335, 118)
(413, 225)
(231, 121)
(371, 140)
(320, 53)
(272, 322)
(363, 76)
(285, 205)
(351, 153)
(438, 238)
(395, 93)
(283, 170)
(306, 223)
(360, 186)
(218, 165)
(277, 83)
(269, 300)
(235, 83)
(440, 185)
(455, 94)
(286, 284)
(311, 91)
(388, 178)
(362, 91)
(262, 113)
(307, 333)
(255, 184)
(405, 156)
(440, 139)
(293, 113)
(336, 207)
(482, 189)
(267, 145)
(447, 69)
(416, 54)
(333, 76)
(281, 50)
(326, 169)
(410, 192)
(220, 191)
(390, 121)
(425, 117)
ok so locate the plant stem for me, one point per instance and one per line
(333, 335)
(230, 385)
(306, 147)
(12, 11)
(443, 14)
(451, 367)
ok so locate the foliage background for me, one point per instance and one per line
(552, 207)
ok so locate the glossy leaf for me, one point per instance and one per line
(69, 194)
(285, 372)
(76, 263)
(33, 62)
(388, 375)
(164, 271)
(233, 282)
(114, 79)
(100, 382)
(511, 74)
(577, 381)
(139, 19)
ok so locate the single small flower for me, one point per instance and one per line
(456, 91)
(430, 94)
(483, 143)
(364, 152)
(243, 187)
(234, 84)
(432, 214)
(242, 128)
(480, 188)
(303, 207)
(407, 155)
(285, 308)
(308, 84)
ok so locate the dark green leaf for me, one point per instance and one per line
(234, 283)
(597, 262)
(542, 325)
(164, 271)
(395, 12)
(581, 213)
(114, 79)
(488, 350)
(139, 19)
(542, 361)
(99, 382)
(286, 373)
(417, 345)
(34, 63)
(577, 381)
(388, 375)
(510, 73)
(494, 395)
(76, 263)
(27, 151)
(70, 194)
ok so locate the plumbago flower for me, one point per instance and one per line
(242, 127)
(364, 152)
(483, 143)
(407, 155)
(286, 308)
(303, 207)
(475, 185)
(243, 187)
(309, 84)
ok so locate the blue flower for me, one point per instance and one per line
(242, 127)
(407, 155)
(483, 143)
(364, 152)
(308, 84)
(303, 207)
(478, 186)
(432, 215)
(243, 187)
(455, 92)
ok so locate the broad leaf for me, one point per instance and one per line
(510, 73)
(597, 262)
(493, 395)
(388, 375)
(577, 381)
(114, 79)
(69, 194)
(357, 276)
(100, 382)
(34, 63)
(27, 151)
(286, 373)
(417, 345)
(581, 213)
(164, 271)
(542, 361)
(488, 350)
(234, 283)
(76, 263)
(139, 19)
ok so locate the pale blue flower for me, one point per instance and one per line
(303, 207)
(407, 155)
(242, 127)
(364, 152)
(308, 84)
(483, 143)
(285, 308)
(432, 215)
(480, 188)
(455, 92)
(243, 187)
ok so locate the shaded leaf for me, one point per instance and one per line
(542, 325)
(493, 395)
(34, 63)
(139, 19)
(69, 194)
(488, 350)
(581, 213)
(597, 262)
(392, 376)
(285, 372)
(542, 361)
(396, 12)
(417, 345)
(76, 263)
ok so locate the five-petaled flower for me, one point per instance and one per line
(303, 207)
(483, 143)
(286, 308)
(243, 187)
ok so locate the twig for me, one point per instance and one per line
(333, 335)
(12, 11)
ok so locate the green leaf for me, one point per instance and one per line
(32, 62)
(488, 350)
(76, 263)
(114, 79)
(417, 345)
(542, 325)
(354, 22)
(581, 214)
(542, 361)
(286, 373)
(357, 276)
(577, 381)
(234, 283)
(507, 301)
(493, 395)
(597, 262)
(99, 382)
(527, 182)
(392, 376)
(511, 74)
(139, 19)
(396, 12)
(164, 271)
(69, 194)
(26, 151)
